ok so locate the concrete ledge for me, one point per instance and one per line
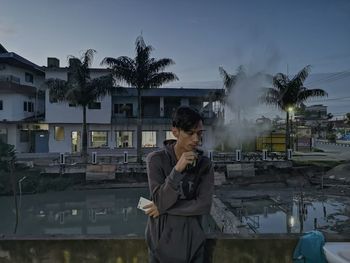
(219, 248)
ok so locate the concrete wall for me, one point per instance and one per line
(105, 249)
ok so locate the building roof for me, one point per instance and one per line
(18, 61)
(170, 92)
(65, 69)
(2, 49)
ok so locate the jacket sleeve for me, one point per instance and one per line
(202, 204)
(163, 189)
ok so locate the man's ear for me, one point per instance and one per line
(175, 131)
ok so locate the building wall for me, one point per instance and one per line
(13, 107)
(66, 144)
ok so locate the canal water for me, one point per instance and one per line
(299, 215)
(88, 212)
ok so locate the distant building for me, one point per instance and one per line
(112, 121)
(315, 117)
(22, 103)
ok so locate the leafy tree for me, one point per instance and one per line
(80, 89)
(142, 72)
(287, 94)
(7, 164)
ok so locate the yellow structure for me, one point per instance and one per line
(273, 141)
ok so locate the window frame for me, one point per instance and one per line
(122, 143)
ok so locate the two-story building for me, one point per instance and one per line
(112, 121)
(22, 103)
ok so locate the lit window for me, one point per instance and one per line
(149, 139)
(98, 139)
(59, 133)
(124, 139)
(169, 135)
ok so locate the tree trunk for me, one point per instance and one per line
(287, 133)
(139, 127)
(84, 143)
(14, 190)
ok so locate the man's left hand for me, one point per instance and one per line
(152, 210)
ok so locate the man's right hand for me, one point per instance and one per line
(185, 159)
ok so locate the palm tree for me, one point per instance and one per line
(229, 81)
(80, 89)
(289, 93)
(142, 72)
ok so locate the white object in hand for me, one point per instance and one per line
(143, 202)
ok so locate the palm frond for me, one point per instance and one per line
(229, 80)
(88, 57)
(300, 77)
(101, 86)
(159, 65)
(157, 80)
(308, 93)
(280, 81)
(57, 89)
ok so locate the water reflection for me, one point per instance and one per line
(111, 211)
(293, 214)
(78, 212)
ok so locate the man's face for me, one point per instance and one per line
(189, 140)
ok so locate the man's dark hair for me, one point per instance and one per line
(186, 118)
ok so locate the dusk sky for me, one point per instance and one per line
(199, 35)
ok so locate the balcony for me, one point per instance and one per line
(11, 84)
(10, 78)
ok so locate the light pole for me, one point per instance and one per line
(290, 110)
(20, 190)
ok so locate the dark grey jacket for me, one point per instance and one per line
(181, 198)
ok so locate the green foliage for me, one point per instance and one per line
(331, 137)
(7, 154)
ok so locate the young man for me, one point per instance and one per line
(181, 182)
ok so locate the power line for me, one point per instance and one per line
(335, 76)
(331, 99)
